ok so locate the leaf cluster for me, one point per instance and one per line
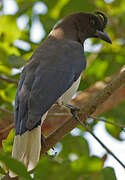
(73, 161)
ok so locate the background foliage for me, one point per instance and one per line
(73, 160)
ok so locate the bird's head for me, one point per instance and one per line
(80, 26)
(92, 25)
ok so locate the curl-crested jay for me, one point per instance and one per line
(51, 74)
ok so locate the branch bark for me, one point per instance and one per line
(52, 122)
(8, 80)
(87, 109)
(85, 112)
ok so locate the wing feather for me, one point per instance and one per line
(45, 78)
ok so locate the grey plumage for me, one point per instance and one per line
(45, 78)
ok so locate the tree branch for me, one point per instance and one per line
(57, 116)
(104, 146)
(85, 112)
(9, 80)
(109, 122)
(6, 111)
(97, 139)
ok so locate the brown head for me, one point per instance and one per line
(80, 26)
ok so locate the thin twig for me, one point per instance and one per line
(7, 129)
(86, 110)
(59, 114)
(109, 122)
(100, 142)
(6, 111)
(122, 127)
(9, 80)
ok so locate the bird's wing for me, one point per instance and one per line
(41, 85)
(22, 95)
(48, 86)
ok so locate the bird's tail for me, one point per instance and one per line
(26, 148)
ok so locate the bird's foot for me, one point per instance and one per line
(73, 109)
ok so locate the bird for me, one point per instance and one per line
(51, 75)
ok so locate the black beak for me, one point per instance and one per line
(103, 35)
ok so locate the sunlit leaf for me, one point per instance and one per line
(113, 130)
(2, 171)
(87, 164)
(5, 70)
(8, 28)
(8, 142)
(8, 94)
(15, 166)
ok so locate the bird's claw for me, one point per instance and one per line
(73, 109)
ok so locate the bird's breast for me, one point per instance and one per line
(67, 96)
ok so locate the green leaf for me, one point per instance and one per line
(5, 70)
(72, 6)
(15, 166)
(101, 66)
(16, 61)
(113, 130)
(9, 29)
(2, 171)
(8, 142)
(8, 94)
(108, 174)
(54, 13)
(76, 145)
(53, 169)
(87, 164)
(43, 169)
(116, 115)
